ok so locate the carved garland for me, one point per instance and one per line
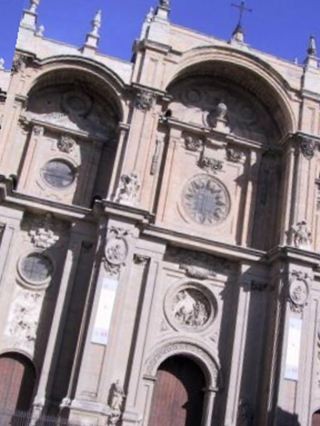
(116, 251)
(298, 291)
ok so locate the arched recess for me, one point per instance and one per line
(245, 71)
(237, 112)
(73, 114)
(178, 395)
(18, 378)
(198, 355)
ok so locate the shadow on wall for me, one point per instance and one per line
(286, 419)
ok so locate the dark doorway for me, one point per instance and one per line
(17, 382)
(316, 419)
(178, 394)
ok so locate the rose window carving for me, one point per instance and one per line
(206, 200)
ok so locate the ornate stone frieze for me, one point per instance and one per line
(66, 144)
(234, 155)
(206, 200)
(307, 147)
(197, 265)
(299, 236)
(117, 397)
(193, 143)
(116, 250)
(191, 308)
(145, 100)
(24, 317)
(211, 164)
(44, 232)
(128, 189)
(298, 291)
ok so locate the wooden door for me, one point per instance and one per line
(316, 419)
(178, 394)
(17, 380)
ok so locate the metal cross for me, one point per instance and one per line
(242, 8)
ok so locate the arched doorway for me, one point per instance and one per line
(17, 382)
(178, 394)
(316, 419)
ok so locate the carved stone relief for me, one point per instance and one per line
(128, 189)
(299, 236)
(218, 118)
(307, 147)
(144, 100)
(191, 308)
(66, 144)
(234, 155)
(193, 143)
(206, 200)
(44, 232)
(116, 251)
(298, 291)
(23, 318)
(117, 397)
(211, 164)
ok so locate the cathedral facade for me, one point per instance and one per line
(160, 231)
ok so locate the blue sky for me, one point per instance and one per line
(281, 27)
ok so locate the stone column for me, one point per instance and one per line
(58, 321)
(238, 348)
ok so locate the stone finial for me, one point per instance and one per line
(93, 36)
(96, 23)
(34, 6)
(2, 62)
(165, 4)
(312, 46)
(311, 60)
(150, 15)
(40, 31)
(163, 10)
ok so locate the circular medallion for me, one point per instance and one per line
(58, 173)
(35, 268)
(299, 292)
(116, 251)
(76, 102)
(206, 200)
(191, 308)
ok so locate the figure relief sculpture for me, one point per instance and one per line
(144, 100)
(128, 189)
(66, 144)
(299, 236)
(117, 397)
(191, 308)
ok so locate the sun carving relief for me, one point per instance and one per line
(205, 200)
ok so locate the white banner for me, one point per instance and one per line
(102, 321)
(293, 349)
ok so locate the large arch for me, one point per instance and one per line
(245, 70)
